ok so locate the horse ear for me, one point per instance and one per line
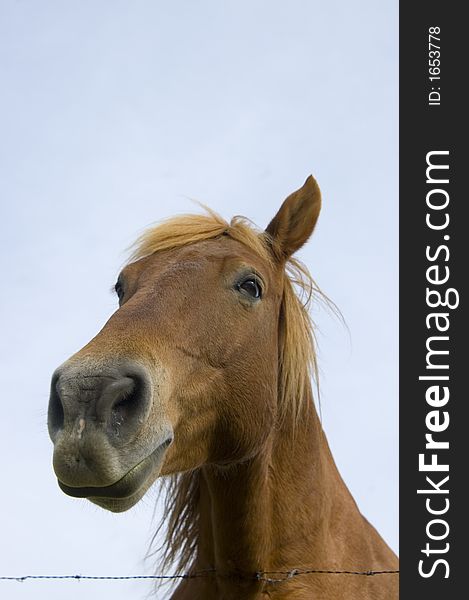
(295, 220)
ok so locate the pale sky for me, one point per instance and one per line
(113, 114)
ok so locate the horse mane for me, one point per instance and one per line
(297, 359)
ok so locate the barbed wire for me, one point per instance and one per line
(295, 572)
(282, 576)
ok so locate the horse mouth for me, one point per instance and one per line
(134, 481)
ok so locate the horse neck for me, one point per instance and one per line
(285, 508)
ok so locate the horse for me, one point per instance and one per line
(203, 377)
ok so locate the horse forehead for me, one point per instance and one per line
(219, 249)
(204, 255)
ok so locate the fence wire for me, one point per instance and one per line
(271, 577)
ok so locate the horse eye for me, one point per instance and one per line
(251, 287)
(119, 290)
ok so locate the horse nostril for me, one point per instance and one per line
(55, 414)
(115, 401)
(128, 400)
(126, 406)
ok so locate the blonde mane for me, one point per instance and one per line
(297, 356)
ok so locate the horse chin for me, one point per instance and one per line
(118, 505)
(127, 491)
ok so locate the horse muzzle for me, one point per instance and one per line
(104, 447)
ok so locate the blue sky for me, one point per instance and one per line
(113, 115)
